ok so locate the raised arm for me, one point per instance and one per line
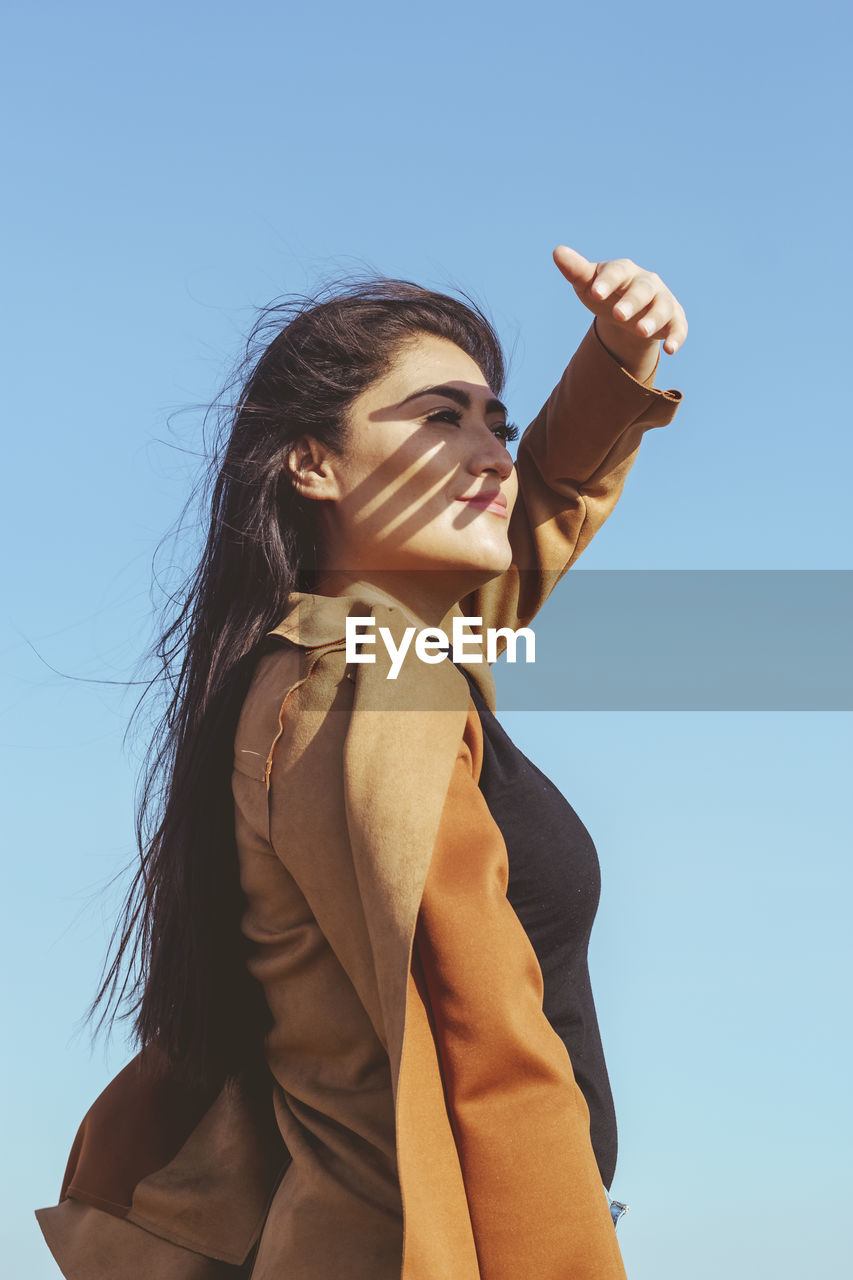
(574, 457)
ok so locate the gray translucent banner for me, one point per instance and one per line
(688, 640)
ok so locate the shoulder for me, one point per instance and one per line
(291, 684)
(309, 714)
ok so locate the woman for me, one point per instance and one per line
(351, 1061)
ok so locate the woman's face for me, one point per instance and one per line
(424, 441)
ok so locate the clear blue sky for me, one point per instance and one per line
(170, 167)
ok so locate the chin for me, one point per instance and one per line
(487, 566)
(471, 567)
(493, 553)
(496, 559)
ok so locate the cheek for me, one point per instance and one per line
(511, 491)
(395, 466)
(363, 478)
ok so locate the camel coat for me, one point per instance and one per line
(419, 1118)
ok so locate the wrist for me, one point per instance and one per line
(637, 355)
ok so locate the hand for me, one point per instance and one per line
(634, 309)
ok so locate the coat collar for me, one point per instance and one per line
(314, 621)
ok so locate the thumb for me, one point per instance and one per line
(577, 269)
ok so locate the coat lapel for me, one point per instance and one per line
(399, 754)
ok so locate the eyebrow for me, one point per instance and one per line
(453, 393)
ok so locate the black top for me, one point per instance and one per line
(554, 888)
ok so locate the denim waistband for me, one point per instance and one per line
(616, 1207)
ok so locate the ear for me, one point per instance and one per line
(310, 467)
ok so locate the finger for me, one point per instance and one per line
(656, 319)
(613, 275)
(577, 269)
(677, 331)
(638, 295)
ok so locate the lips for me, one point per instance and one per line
(494, 502)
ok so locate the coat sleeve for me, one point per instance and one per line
(572, 463)
(520, 1120)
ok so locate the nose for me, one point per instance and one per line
(491, 455)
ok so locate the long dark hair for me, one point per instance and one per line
(307, 358)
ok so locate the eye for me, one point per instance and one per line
(506, 431)
(446, 415)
